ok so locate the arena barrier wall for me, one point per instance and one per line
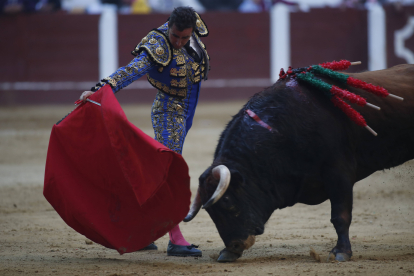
(53, 58)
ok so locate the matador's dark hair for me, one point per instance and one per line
(183, 18)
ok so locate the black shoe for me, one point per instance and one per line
(183, 251)
(151, 246)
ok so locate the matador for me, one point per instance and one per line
(175, 61)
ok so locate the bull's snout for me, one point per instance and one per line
(258, 230)
(227, 256)
(235, 249)
(232, 252)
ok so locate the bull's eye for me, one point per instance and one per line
(227, 203)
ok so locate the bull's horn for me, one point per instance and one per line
(195, 207)
(220, 172)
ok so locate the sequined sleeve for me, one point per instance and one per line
(124, 76)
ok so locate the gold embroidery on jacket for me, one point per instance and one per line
(179, 57)
(178, 73)
(182, 83)
(142, 63)
(194, 65)
(99, 86)
(193, 71)
(111, 81)
(166, 89)
(157, 47)
(201, 26)
(124, 74)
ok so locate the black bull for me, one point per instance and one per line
(314, 153)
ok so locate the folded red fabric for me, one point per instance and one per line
(110, 181)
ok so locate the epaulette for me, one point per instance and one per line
(157, 46)
(201, 27)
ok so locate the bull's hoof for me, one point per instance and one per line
(227, 256)
(342, 257)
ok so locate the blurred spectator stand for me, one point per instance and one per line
(28, 6)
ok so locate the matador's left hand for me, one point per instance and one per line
(85, 95)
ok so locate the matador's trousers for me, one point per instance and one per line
(172, 117)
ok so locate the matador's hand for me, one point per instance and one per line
(85, 95)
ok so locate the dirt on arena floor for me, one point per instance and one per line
(34, 240)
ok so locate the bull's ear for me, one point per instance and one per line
(203, 177)
(236, 179)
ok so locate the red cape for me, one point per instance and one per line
(110, 181)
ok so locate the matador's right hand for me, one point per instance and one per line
(85, 95)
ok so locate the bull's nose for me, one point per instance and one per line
(234, 249)
(227, 256)
(258, 230)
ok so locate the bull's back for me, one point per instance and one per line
(394, 123)
(400, 77)
(398, 80)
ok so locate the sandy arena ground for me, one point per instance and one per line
(34, 240)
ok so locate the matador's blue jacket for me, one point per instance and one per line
(175, 74)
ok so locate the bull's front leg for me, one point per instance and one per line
(340, 195)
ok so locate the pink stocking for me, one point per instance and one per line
(176, 237)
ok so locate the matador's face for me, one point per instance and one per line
(179, 38)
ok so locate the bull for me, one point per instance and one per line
(312, 153)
